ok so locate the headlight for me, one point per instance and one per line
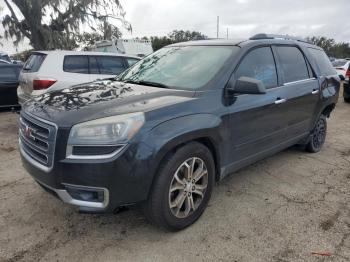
(107, 131)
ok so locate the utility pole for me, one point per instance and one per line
(217, 27)
(227, 33)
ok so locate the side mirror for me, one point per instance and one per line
(248, 85)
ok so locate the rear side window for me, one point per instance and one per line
(76, 64)
(5, 57)
(323, 62)
(33, 63)
(293, 64)
(8, 74)
(259, 64)
(131, 61)
(110, 65)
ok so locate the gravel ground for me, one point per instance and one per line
(280, 209)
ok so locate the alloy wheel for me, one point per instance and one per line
(188, 187)
(319, 135)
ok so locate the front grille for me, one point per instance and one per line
(37, 139)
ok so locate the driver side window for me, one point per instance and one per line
(259, 64)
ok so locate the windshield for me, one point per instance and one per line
(188, 67)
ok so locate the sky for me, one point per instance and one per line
(242, 18)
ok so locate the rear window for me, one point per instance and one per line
(293, 63)
(323, 62)
(76, 64)
(33, 63)
(110, 65)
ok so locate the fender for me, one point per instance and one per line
(168, 135)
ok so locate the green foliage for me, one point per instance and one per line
(107, 31)
(175, 36)
(52, 24)
(331, 47)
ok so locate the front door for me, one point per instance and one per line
(256, 121)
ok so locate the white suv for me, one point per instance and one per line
(46, 71)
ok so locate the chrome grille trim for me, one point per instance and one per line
(37, 140)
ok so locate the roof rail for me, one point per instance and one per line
(273, 36)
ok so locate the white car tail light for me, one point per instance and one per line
(40, 84)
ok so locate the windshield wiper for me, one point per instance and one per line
(146, 83)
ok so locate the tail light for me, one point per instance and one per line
(41, 84)
(347, 73)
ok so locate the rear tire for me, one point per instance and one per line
(318, 135)
(182, 189)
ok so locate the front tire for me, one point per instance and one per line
(183, 187)
(318, 135)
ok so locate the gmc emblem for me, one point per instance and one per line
(29, 132)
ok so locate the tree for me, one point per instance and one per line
(330, 46)
(105, 32)
(175, 36)
(178, 36)
(51, 24)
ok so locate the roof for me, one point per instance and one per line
(219, 42)
(67, 52)
(259, 38)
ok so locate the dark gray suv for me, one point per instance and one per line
(177, 121)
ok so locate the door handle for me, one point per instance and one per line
(315, 92)
(280, 101)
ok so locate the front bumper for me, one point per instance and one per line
(123, 179)
(66, 197)
(122, 182)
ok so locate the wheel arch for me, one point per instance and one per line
(173, 134)
(171, 149)
(327, 110)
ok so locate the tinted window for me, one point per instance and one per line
(131, 61)
(33, 63)
(293, 64)
(185, 67)
(8, 74)
(93, 65)
(76, 64)
(110, 65)
(323, 62)
(5, 58)
(259, 64)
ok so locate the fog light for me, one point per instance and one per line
(86, 194)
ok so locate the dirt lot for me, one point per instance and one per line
(280, 209)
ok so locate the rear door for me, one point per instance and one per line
(300, 90)
(30, 71)
(76, 70)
